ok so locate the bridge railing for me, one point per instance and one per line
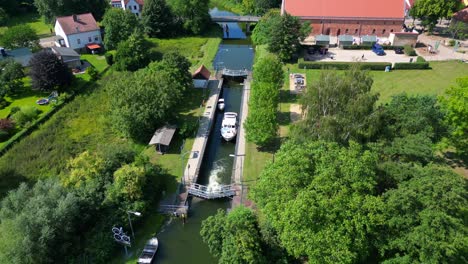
(228, 72)
(203, 191)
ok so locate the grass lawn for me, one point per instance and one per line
(32, 19)
(199, 50)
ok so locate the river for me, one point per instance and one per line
(181, 243)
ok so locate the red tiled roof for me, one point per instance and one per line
(462, 15)
(346, 9)
(84, 23)
(140, 2)
(203, 71)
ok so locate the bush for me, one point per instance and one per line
(409, 51)
(26, 115)
(420, 59)
(109, 58)
(6, 125)
(451, 42)
(14, 109)
(375, 66)
(411, 66)
(93, 73)
(4, 135)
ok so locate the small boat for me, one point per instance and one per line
(221, 104)
(149, 251)
(42, 101)
(229, 126)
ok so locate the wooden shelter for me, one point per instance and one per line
(200, 77)
(162, 138)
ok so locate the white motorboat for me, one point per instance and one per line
(149, 251)
(229, 126)
(221, 104)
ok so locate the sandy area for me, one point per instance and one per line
(295, 112)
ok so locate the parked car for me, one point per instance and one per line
(377, 49)
(399, 51)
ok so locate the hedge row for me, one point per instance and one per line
(411, 66)
(368, 47)
(375, 66)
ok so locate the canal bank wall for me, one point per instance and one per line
(241, 192)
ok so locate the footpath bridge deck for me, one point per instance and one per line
(235, 19)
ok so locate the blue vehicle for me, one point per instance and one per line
(377, 49)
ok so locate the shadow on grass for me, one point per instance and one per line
(284, 118)
(286, 97)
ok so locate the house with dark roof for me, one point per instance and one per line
(68, 56)
(135, 6)
(356, 18)
(77, 32)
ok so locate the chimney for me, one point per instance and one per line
(75, 18)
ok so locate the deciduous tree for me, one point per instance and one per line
(193, 14)
(119, 25)
(133, 53)
(339, 108)
(20, 36)
(10, 77)
(455, 107)
(263, 30)
(48, 72)
(158, 19)
(51, 9)
(429, 11)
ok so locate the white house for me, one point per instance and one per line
(77, 31)
(135, 6)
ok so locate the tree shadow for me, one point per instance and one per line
(285, 96)
(284, 118)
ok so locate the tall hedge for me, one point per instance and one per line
(375, 66)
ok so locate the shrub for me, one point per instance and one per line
(375, 66)
(409, 50)
(14, 109)
(411, 66)
(26, 115)
(4, 135)
(420, 59)
(451, 42)
(93, 73)
(6, 125)
(109, 58)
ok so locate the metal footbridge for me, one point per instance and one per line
(235, 19)
(202, 191)
(235, 73)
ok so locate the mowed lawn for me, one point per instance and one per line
(32, 19)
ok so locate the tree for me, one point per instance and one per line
(133, 53)
(234, 238)
(426, 219)
(286, 36)
(458, 29)
(48, 72)
(259, 7)
(429, 11)
(119, 25)
(193, 14)
(39, 224)
(339, 108)
(263, 30)
(455, 107)
(320, 198)
(158, 19)
(3, 16)
(146, 98)
(10, 77)
(51, 9)
(9, 6)
(20, 36)
(269, 69)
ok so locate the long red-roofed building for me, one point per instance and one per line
(350, 17)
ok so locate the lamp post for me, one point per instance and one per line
(182, 165)
(130, 220)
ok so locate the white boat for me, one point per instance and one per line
(221, 104)
(229, 126)
(149, 251)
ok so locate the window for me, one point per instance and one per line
(90, 39)
(134, 7)
(391, 30)
(373, 31)
(78, 41)
(96, 38)
(383, 31)
(346, 31)
(355, 31)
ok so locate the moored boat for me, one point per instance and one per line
(221, 104)
(229, 126)
(149, 251)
